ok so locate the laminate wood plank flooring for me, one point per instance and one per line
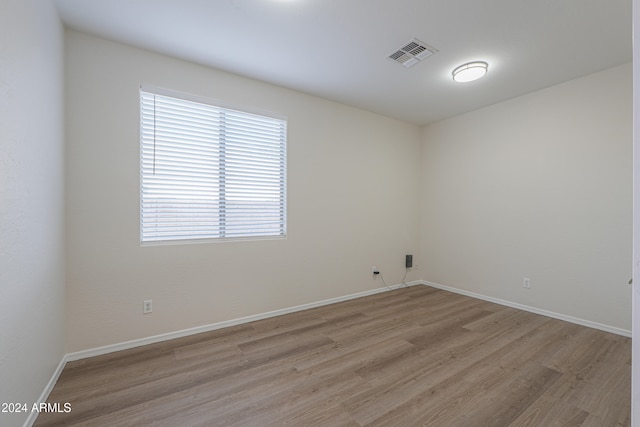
(415, 356)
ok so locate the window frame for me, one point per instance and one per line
(233, 109)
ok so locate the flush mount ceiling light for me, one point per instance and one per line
(470, 71)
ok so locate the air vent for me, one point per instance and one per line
(412, 53)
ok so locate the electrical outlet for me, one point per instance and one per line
(147, 306)
(375, 271)
(526, 283)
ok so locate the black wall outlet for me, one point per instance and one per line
(408, 261)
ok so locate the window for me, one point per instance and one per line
(209, 172)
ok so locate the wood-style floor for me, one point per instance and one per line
(413, 356)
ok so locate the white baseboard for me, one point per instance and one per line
(583, 322)
(191, 331)
(212, 327)
(47, 390)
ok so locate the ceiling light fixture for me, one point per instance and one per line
(470, 71)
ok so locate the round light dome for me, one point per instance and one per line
(470, 71)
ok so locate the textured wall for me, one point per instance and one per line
(353, 187)
(32, 280)
(538, 187)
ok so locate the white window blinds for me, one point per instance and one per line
(209, 172)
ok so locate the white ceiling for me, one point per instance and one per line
(338, 49)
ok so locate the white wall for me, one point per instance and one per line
(352, 203)
(31, 201)
(538, 186)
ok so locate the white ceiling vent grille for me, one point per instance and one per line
(412, 53)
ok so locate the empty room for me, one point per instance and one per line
(317, 213)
